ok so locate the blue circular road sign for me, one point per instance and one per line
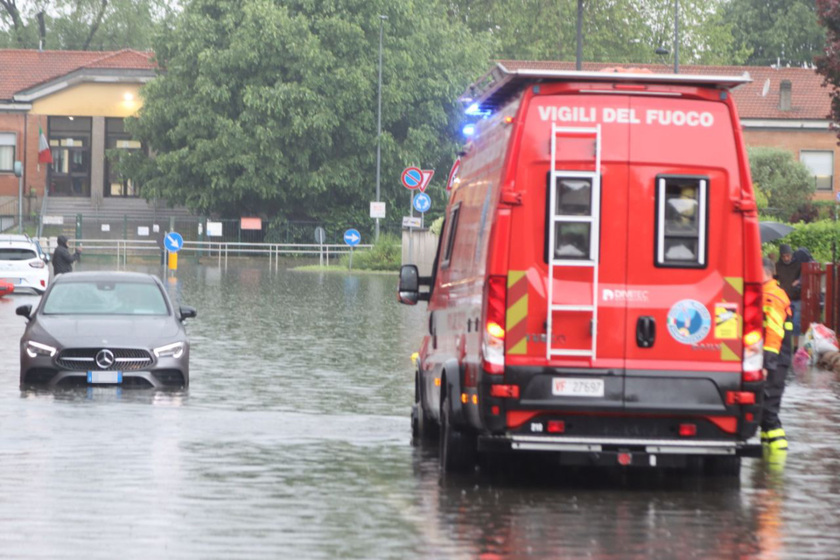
(173, 242)
(422, 202)
(352, 237)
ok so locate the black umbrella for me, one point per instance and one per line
(771, 231)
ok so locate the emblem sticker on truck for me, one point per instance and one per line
(726, 321)
(689, 321)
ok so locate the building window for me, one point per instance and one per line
(681, 224)
(821, 165)
(7, 151)
(116, 138)
(70, 144)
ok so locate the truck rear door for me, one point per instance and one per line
(685, 264)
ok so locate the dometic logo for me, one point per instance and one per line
(624, 115)
(625, 295)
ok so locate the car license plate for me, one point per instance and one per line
(112, 377)
(577, 387)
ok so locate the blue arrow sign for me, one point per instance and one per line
(352, 237)
(422, 202)
(173, 242)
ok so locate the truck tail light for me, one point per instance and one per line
(688, 430)
(504, 391)
(753, 341)
(739, 397)
(493, 333)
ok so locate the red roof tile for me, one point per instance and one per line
(809, 99)
(23, 69)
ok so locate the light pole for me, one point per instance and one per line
(662, 51)
(676, 36)
(379, 119)
(579, 53)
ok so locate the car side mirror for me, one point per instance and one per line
(410, 282)
(24, 311)
(409, 290)
(46, 258)
(187, 312)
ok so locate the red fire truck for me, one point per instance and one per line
(597, 287)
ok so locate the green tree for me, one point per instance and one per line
(269, 107)
(785, 31)
(84, 24)
(785, 184)
(613, 31)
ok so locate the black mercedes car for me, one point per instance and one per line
(112, 328)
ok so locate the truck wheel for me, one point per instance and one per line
(423, 428)
(723, 466)
(457, 448)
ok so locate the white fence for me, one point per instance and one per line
(122, 249)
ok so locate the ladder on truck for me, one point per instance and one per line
(556, 221)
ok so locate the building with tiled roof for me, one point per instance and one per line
(78, 99)
(781, 107)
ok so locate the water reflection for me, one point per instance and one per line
(293, 441)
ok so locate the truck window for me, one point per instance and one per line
(572, 215)
(450, 235)
(681, 221)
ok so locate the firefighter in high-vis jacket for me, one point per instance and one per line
(777, 333)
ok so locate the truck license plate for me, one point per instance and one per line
(577, 387)
(112, 377)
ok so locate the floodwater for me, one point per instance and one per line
(293, 441)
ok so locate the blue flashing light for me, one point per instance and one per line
(468, 130)
(474, 110)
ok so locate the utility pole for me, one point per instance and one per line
(676, 36)
(379, 119)
(579, 57)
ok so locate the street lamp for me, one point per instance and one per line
(662, 51)
(379, 119)
(676, 36)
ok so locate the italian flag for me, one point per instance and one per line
(44, 153)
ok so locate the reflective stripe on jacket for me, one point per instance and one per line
(777, 315)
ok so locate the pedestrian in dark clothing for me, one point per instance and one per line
(62, 258)
(788, 273)
(776, 337)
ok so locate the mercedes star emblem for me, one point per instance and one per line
(105, 359)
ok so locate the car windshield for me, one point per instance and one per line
(16, 254)
(105, 298)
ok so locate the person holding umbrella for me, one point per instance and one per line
(789, 273)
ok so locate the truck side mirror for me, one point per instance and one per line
(24, 311)
(409, 290)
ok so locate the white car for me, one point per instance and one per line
(23, 263)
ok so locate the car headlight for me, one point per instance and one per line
(34, 349)
(174, 350)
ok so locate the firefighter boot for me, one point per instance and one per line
(774, 440)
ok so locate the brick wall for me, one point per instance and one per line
(26, 129)
(797, 140)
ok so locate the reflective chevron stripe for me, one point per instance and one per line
(516, 324)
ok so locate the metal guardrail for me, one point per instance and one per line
(122, 248)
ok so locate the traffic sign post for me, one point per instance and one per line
(352, 237)
(422, 202)
(320, 237)
(173, 242)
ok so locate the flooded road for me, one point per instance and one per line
(293, 441)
